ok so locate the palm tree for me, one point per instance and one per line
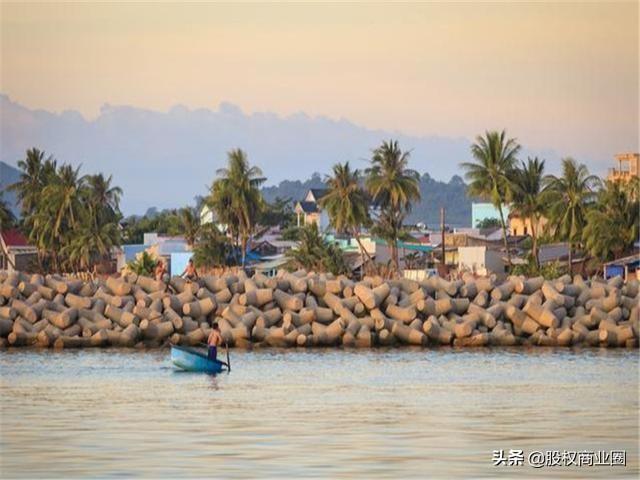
(527, 197)
(59, 213)
(103, 199)
(569, 197)
(190, 222)
(346, 203)
(91, 243)
(489, 176)
(236, 197)
(37, 172)
(393, 188)
(65, 198)
(613, 225)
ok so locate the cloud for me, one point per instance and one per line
(164, 159)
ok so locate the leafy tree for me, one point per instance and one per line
(568, 198)
(212, 248)
(314, 253)
(346, 203)
(612, 227)
(489, 223)
(278, 213)
(144, 264)
(7, 219)
(236, 198)
(393, 188)
(165, 222)
(190, 222)
(528, 197)
(490, 174)
(549, 271)
(291, 233)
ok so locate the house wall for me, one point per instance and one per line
(479, 260)
(206, 215)
(310, 218)
(24, 262)
(522, 226)
(179, 262)
(628, 167)
(483, 210)
(324, 220)
(368, 244)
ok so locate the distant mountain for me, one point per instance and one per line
(293, 189)
(435, 194)
(164, 159)
(9, 175)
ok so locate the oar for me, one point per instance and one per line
(226, 346)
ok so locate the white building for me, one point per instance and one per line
(309, 211)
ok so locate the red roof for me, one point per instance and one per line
(14, 238)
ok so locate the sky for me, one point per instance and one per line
(561, 76)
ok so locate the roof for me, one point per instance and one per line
(318, 193)
(308, 207)
(271, 264)
(419, 247)
(14, 238)
(625, 260)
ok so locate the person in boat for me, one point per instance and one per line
(190, 272)
(160, 270)
(214, 341)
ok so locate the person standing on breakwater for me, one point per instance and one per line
(160, 270)
(190, 272)
(214, 340)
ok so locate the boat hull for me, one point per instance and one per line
(192, 360)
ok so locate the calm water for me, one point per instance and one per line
(365, 414)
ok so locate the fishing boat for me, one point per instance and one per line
(193, 360)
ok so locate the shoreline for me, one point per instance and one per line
(308, 310)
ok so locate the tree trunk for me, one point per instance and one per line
(534, 239)
(363, 251)
(504, 234)
(244, 249)
(236, 240)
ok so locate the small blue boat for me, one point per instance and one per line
(193, 360)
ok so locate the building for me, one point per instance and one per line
(522, 226)
(174, 252)
(627, 268)
(16, 253)
(484, 210)
(270, 267)
(628, 167)
(480, 260)
(309, 211)
(207, 215)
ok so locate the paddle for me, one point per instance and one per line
(226, 346)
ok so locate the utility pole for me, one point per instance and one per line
(444, 263)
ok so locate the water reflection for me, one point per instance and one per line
(367, 414)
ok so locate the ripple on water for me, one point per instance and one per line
(319, 413)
